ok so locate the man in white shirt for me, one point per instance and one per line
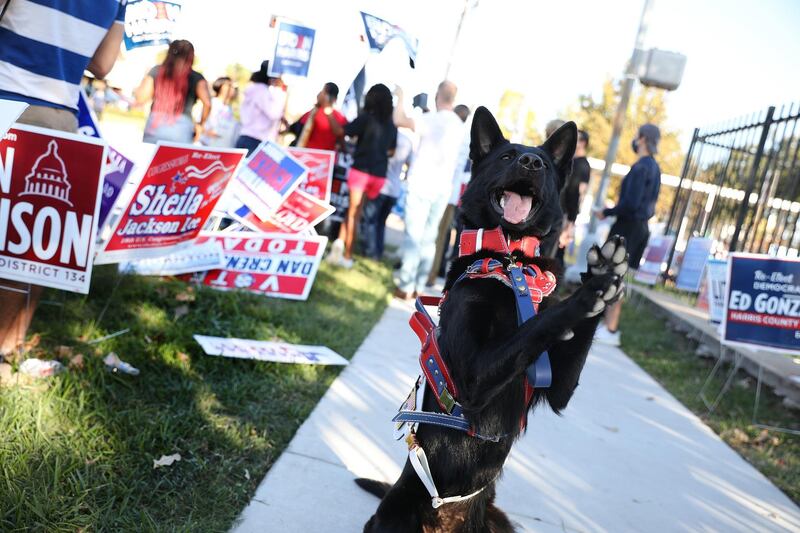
(430, 182)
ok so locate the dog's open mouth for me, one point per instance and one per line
(515, 208)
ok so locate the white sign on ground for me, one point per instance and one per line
(197, 258)
(278, 352)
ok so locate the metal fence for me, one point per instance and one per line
(739, 185)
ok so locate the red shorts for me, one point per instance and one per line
(365, 183)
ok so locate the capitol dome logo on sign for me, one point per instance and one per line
(48, 177)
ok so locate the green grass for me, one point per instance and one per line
(670, 358)
(77, 451)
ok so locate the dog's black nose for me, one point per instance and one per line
(530, 162)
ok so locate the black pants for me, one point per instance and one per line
(374, 224)
(636, 234)
(247, 142)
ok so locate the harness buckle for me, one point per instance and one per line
(447, 400)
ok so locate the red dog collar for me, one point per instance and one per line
(473, 240)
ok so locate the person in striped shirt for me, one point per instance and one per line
(45, 45)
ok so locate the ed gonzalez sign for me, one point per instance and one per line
(762, 304)
(172, 202)
(49, 197)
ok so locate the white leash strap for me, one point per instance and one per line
(479, 240)
(420, 463)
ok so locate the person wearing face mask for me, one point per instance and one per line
(637, 203)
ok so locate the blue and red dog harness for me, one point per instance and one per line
(530, 286)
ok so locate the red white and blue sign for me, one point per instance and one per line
(49, 198)
(172, 202)
(150, 22)
(267, 178)
(271, 264)
(292, 50)
(762, 303)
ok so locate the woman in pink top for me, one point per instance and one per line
(262, 109)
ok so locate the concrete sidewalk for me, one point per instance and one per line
(626, 456)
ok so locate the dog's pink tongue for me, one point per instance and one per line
(516, 207)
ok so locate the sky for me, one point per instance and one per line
(742, 55)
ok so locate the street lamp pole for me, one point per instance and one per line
(467, 7)
(619, 116)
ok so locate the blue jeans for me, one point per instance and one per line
(419, 240)
(178, 129)
(374, 224)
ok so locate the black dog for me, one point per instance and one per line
(487, 353)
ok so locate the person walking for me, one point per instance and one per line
(377, 211)
(43, 53)
(637, 204)
(460, 179)
(221, 128)
(573, 192)
(322, 126)
(376, 141)
(174, 87)
(262, 109)
(430, 182)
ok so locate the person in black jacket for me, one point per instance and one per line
(637, 204)
(572, 194)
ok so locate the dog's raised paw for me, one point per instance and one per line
(606, 289)
(611, 258)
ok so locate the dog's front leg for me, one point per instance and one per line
(487, 366)
(568, 356)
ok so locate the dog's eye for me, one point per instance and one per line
(506, 156)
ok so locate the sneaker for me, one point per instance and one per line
(603, 336)
(344, 262)
(336, 252)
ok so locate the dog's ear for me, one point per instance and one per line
(561, 147)
(485, 136)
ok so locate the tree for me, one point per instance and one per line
(516, 120)
(647, 104)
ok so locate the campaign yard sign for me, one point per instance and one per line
(271, 264)
(319, 164)
(716, 280)
(654, 257)
(117, 171)
(197, 258)
(277, 352)
(292, 50)
(762, 304)
(118, 167)
(297, 214)
(172, 202)
(693, 265)
(267, 178)
(49, 198)
(150, 22)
